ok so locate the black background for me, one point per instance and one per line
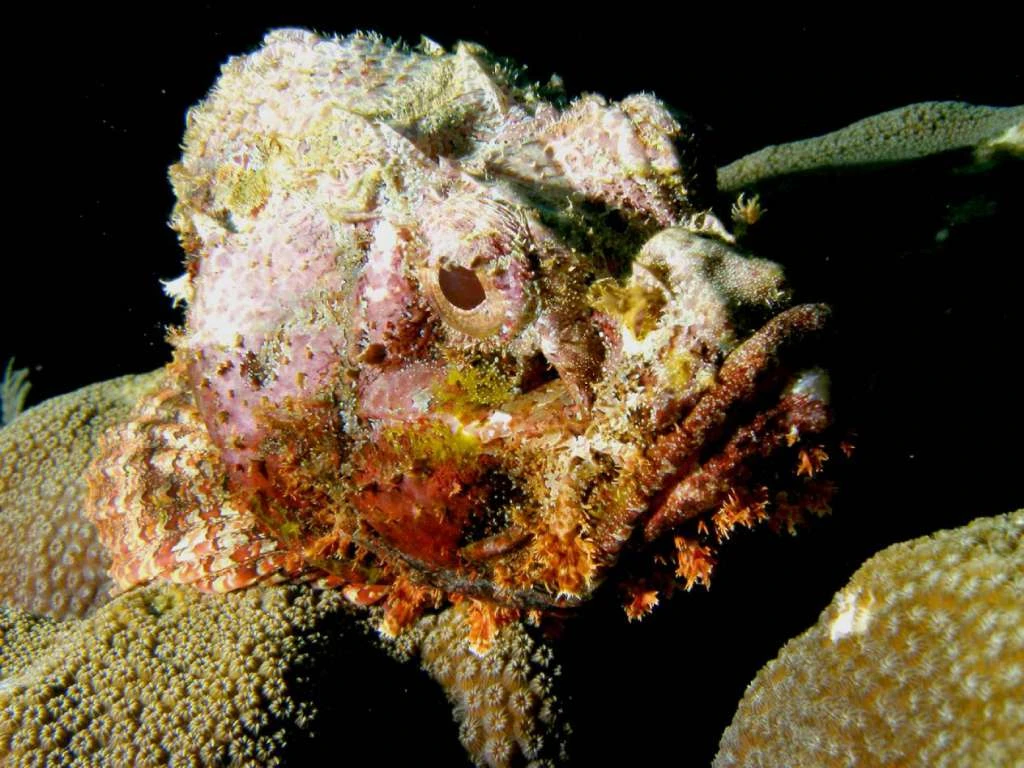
(924, 353)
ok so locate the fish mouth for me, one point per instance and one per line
(764, 398)
(446, 540)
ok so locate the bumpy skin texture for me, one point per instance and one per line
(918, 661)
(51, 561)
(164, 674)
(446, 335)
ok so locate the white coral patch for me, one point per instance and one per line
(854, 615)
(813, 383)
(1011, 141)
(579, 448)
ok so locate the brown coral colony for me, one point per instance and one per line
(447, 339)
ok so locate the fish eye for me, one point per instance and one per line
(470, 302)
(476, 272)
(461, 287)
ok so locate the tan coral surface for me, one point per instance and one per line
(51, 563)
(918, 661)
(906, 133)
(503, 698)
(163, 674)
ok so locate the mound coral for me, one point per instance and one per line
(918, 661)
(504, 699)
(51, 561)
(168, 674)
(164, 674)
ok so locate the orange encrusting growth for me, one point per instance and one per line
(485, 619)
(694, 562)
(405, 603)
(734, 511)
(641, 602)
(811, 461)
(564, 563)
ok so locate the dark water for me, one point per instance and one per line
(924, 355)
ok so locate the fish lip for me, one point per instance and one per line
(755, 372)
(673, 454)
(790, 335)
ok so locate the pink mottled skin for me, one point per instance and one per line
(446, 332)
(255, 302)
(255, 325)
(610, 151)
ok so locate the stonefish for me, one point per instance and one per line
(455, 343)
(448, 340)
